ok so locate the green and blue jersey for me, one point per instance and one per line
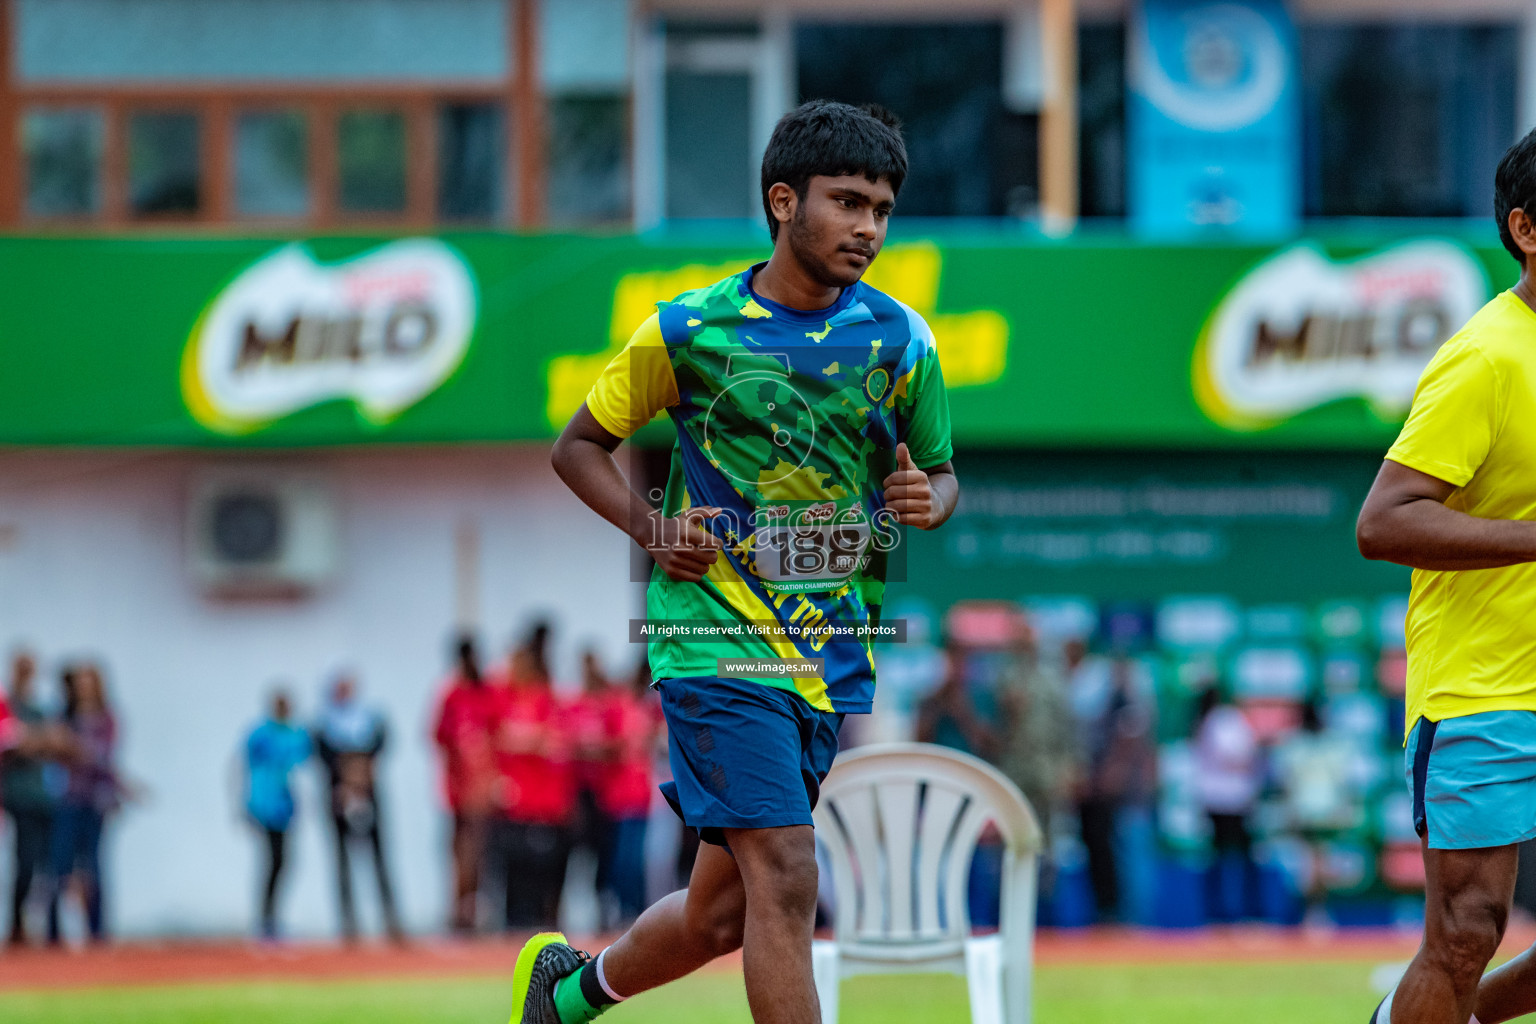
(787, 420)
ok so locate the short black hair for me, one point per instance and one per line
(832, 139)
(1514, 188)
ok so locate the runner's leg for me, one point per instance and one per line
(1508, 992)
(1467, 899)
(778, 867)
(684, 931)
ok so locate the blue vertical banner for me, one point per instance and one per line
(1214, 119)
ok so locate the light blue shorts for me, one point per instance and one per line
(1473, 779)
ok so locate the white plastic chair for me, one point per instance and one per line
(900, 822)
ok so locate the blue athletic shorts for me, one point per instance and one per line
(1473, 779)
(743, 754)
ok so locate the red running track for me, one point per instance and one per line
(184, 962)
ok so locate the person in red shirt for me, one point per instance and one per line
(592, 752)
(536, 791)
(10, 728)
(462, 732)
(632, 719)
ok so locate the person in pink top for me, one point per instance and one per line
(462, 732)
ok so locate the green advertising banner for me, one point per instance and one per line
(488, 337)
(1258, 527)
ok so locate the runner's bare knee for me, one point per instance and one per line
(780, 864)
(1469, 930)
(716, 922)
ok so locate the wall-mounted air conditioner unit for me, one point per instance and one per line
(261, 532)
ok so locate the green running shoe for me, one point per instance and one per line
(544, 960)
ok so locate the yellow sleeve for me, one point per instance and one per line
(636, 385)
(1455, 415)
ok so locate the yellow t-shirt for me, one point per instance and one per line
(1472, 634)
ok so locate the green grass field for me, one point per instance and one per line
(1330, 992)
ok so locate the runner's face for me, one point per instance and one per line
(838, 228)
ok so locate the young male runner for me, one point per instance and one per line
(805, 404)
(1456, 500)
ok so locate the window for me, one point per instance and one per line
(1406, 120)
(271, 164)
(969, 156)
(1101, 119)
(371, 165)
(164, 152)
(708, 118)
(588, 159)
(470, 143)
(62, 149)
(707, 149)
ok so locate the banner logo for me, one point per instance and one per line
(1217, 68)
(1214, 118)
(1299, 331)
(383, 329)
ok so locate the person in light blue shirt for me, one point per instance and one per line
(272, 751)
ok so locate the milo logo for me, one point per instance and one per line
(821, 513)
(383, 329)
(1299, 331)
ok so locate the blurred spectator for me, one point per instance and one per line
(535, 649)
(1128, 776)
(1038, 750)
(272, 751)
(23, 789)
(1119, 784)
(1092, 687)
(1315, 772)
(536, 798)
(949, 717)
(463, 735)
(632, 722)
(593, 751)
(93, 790)
(349, 738)
(10, 729)
(1227, 781)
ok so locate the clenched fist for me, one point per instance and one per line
(683, 546)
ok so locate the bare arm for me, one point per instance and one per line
(1405, 520)
(583, 458)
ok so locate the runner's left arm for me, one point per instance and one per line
(924, 490)
(924, 498)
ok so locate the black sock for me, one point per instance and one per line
(580, 997)
(592, 988)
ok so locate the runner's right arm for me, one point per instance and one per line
(636, 385)
(1456, 418)
(1405, 520)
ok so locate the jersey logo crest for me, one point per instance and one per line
(876, 383)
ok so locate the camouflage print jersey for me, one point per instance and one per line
(788, 421)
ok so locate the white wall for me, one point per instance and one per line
(92, 563)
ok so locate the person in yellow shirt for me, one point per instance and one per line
(1456, 500)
